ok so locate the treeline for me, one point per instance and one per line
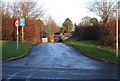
(9, 30)
(86, 33)
(13, 11)
(104, 34)
(104, 30)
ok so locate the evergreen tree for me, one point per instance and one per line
(94, 21)
(67, 26)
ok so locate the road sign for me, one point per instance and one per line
(22, 22)
(17, 23)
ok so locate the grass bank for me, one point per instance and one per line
(91, 49)
(9, 49)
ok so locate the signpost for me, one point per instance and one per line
(17, 24)
(22, 23)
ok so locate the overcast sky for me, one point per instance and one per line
(59, 10)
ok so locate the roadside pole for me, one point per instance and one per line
(116, 32)
(17, 38)
(17, 24)
(22, 34)
(22, 23)
(116, 11)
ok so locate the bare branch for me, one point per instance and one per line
(102, 9)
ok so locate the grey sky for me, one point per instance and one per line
(59, 10)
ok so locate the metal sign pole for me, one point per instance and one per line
(116, 32)
(17, 25)
(17, 38)
(22, 35)
(22, 23)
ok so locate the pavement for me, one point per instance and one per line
(57, 61)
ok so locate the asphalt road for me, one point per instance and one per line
(57, 61)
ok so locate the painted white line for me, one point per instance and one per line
(29, 76)
(10, 77)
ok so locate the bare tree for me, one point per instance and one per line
(27, 9)
(85, 21)
(51, 27)
(6, 18)
(102, 9)
(5, 6)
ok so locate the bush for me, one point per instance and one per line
(106, 38)
(105, 33)
(108, 34)
(86, 33)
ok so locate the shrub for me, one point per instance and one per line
(108, 34)
(86, 33)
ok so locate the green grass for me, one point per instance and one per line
(9, 49)
(91, 49)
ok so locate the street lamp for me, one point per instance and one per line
(116, 10)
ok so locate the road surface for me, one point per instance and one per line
(57, 61)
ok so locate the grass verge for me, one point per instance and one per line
(91, 49)
(9, 49)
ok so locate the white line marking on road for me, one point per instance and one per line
(10, 77)
(29, 76)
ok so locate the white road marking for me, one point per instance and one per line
(29, 76)
(10, 77)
